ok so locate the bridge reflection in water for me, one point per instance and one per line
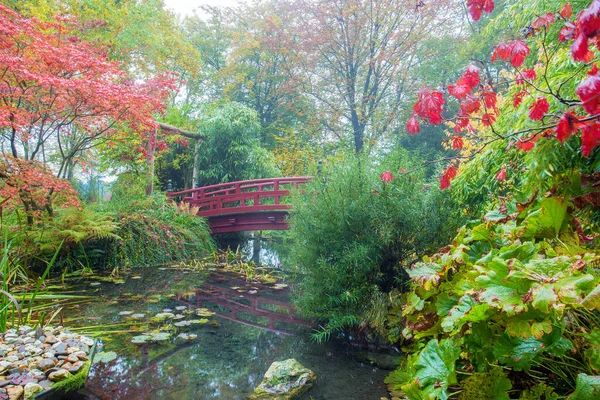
(252, 309)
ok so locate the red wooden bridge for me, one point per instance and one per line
(253, 205)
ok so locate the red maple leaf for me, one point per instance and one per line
(386, 176)
(566, 127)
(589, 93)
(447, 176)
(413, 126)
(476, 7)
(567, 11)
(457, 142)
(501, 175)
(461, 89)
(490, 99)
(430, 105)
(515, 52)
(568, 32)
(518, 98)
(471, 75)
(526, 144)
(488, 119)
(538, 109)
(526, 74)
(543, 21)
(461, 124)
(589, 20)
(470, 105)
(589, 138)
(518, 50)
(580, 50)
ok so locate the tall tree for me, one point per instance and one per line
(354, 56)
(61, 92)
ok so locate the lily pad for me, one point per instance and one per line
(181, 324)
(126, 313)
(204, 312)
(136, 277)
(181, 308)
(95, 283)
(179, 316)
(138, 316)
(167, 310)
(279, 286)
(187, 336)
(140, 339)
(160, 336)
(252, 291)
(162, 317)
(198, 321)
(105, 356)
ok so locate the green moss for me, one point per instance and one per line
(75, 381)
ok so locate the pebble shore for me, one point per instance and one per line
(32, 360)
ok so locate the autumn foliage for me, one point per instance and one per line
(52, 83)
(555, 115)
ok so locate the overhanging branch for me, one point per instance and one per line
(182, 132)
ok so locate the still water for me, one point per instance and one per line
(252, 326)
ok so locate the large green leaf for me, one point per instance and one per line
(467, 310)
(435, 370)
(592, 300)
(499, 290)
(547, 220)
(587, 388)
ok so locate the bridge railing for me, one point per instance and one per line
(242, 196)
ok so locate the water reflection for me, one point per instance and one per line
(253, 308)
(230, 355)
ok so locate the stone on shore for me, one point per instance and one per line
(284, 380)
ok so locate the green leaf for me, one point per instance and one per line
(105, 357)
(467, 310)
(592, 300)
(435, 369)
(546, 222)
(587, 387)
(592, 353)
(499, 291)
(426, 274)
(543, 297)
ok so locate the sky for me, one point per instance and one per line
(186, 7)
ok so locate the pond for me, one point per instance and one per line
(244, 327)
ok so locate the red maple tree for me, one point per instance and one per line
(51, 84)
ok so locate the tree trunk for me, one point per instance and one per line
(151, 148)
(195, 172)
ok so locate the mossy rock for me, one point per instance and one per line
(284, 380)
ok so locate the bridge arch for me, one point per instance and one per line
(250, 205)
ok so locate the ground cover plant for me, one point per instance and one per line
(509, 309)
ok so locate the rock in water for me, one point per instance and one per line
(284, 380)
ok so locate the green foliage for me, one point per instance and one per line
(151, 230)
(518, 290)
(354, 233)
(231, 151)
(491, 385)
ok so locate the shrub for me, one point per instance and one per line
(519, 291)
(354, 233)
(151, 230)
